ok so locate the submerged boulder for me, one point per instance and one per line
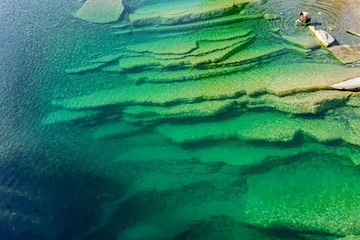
(324, 37)
(100, 11)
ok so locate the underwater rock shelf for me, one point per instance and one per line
(271, 80)
(210, 114)
(100, 11)
(178, 12)
(182, 71)
(346, 54)
(266, 127)
(336, 208)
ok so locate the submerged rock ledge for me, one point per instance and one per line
(215, 69)
(267, 79)
(288, 200)
(243, 121)
(100, 11)
(178, 12)
(254, 126)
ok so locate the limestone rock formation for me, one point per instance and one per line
(178, 12)
(352, 84)
(345, 53)
(324, 37)
(284, 198)
(203, 95)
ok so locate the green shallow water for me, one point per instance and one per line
(217, 124)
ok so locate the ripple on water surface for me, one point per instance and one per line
(329, 15)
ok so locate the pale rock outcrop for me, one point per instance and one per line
(324, 37)
(100, 11)
(345, 53)
(352, 84)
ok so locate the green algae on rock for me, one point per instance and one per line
(244, 155)
(203, 109)
(188, 50)
(354, 100)
(245, 127)
(302, 103)
(177, 12)
(350, 237)
(292, 104)
(216, 118)
(284, 197)
(272, 79)
(184, 44)
(270, 127)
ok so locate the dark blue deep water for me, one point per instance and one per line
(46, 192)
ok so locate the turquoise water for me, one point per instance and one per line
(216, 128)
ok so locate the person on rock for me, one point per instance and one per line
(304, 18)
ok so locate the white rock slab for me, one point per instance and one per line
(324, 37)
(100, 11)
(352, 84)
